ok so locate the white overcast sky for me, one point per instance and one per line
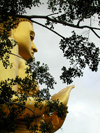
(84, 100)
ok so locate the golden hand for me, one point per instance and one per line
(63, 95)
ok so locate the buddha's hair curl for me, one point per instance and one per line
(6, 26)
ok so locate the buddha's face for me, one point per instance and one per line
(24, 36)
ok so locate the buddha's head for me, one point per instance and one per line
(23, 34)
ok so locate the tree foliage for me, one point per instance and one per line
(80, 52)
(76, 48)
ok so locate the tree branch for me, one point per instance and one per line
(95, 33)
(57, 21)
(52, 14)
(78, 23)
(60, 22)
(48, 29)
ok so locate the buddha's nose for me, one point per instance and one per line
(34, 48)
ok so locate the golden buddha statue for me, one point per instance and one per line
(24, 34)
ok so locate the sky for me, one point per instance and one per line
(84, 100)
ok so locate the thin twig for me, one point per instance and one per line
(17, 56)
(78, 23)
(95, 33)
(12, 103)
(52, 14)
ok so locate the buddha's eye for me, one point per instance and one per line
(32, 37)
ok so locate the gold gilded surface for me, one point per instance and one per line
(24, 34)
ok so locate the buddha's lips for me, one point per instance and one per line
(32, 53)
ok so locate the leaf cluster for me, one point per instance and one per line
(5, 49)
(80, 52)
(41, 73)
(14, 7)
(71, 10)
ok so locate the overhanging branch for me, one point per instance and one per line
(95, 33)
(48, 29)
(59, 22)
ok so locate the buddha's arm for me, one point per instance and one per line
(33, 106)
(63, 97)
(57, 122)
(54, 119)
